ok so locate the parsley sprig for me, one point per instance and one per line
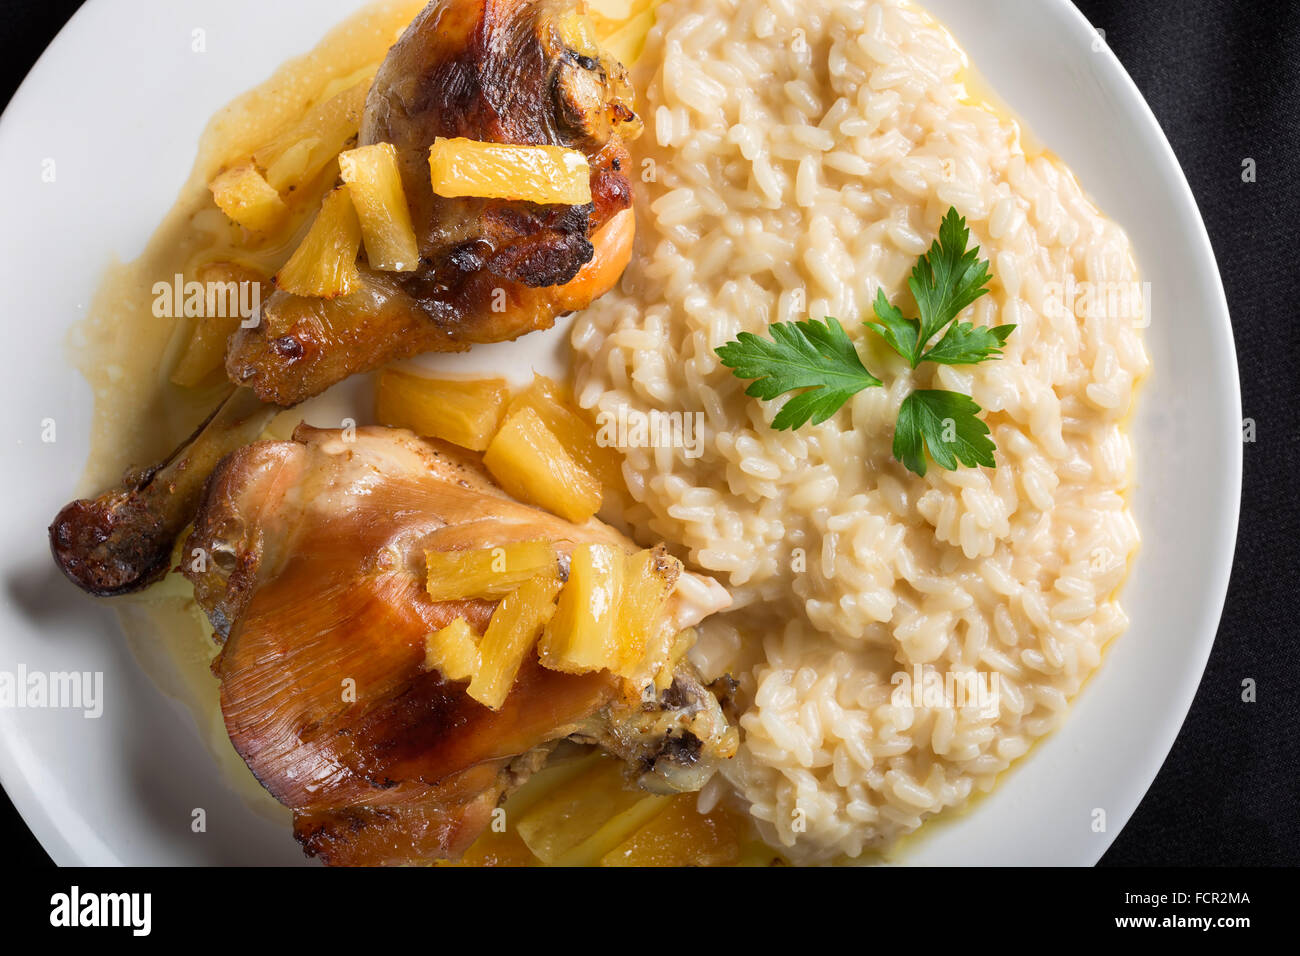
(820, 362)
(802, 355)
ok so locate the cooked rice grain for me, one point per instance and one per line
(804, 154)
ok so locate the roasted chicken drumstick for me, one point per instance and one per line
(122, 541)
(520, 72)
(316, 587)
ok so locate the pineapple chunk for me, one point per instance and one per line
(680, 836)
(515, 626)
(244, 195)
(551, 402)
(495, 849)
(453, 651)
(539, 174)
(490, 572)
(375, 185)
(582, 820)
(642, 622)
(300, 153)
(618, 11)
(325, 265)
(583, 636)
(463, 413)
(609, 11)
(626, 42)
(206, 351)
(530, 463)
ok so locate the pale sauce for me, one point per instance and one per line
(127, 355)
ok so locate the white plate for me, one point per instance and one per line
(119, 101)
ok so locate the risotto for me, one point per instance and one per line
(899, 641)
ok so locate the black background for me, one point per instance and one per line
(1223, 78)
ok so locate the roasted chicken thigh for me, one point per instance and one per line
(313, 576)
(520, 72)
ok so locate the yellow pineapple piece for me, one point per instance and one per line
(618, 12)
(625, 41)
(558, 772)
(561, 416)
(609, 12)
(244, 195)
(681, 836)
(590, 851)
(453, 651)
(507, 848)
(538, 174)
(325, 265)
(488, 572)
(530, 463)
(582, 636)
(300, 153)
(463, 413)
(642, 612)
(504, 849)
(579, 822)
(375, 185)
(514, 629)
(206, 352)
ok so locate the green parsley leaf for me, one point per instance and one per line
(948, 278)
(964, 344)
(819, 361)
(946, 423)
(901, 334)
(809, 355)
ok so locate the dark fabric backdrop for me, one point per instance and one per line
(1223, 77)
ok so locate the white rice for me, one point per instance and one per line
(803, 153)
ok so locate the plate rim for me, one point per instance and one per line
(1177, 716)
(54, 838)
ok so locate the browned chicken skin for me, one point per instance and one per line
(122, 541)
(510, 71)
(504, 71)
(315, 583)
(313, 571)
